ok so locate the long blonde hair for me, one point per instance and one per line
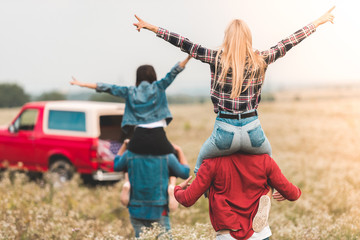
(238, 55)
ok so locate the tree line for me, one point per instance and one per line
(13, 95)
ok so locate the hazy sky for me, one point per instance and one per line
(44, 42)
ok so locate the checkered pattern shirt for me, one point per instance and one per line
(220, 96)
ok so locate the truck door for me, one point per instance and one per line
(21, 143)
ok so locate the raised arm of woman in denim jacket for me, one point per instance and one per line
(82, 84)
(112, 89)
(170, 76)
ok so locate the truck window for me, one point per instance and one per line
(67, 120)
(110, 128)
(27, 120)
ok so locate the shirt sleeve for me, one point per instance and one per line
(280, 183)
(170, 76)
(195, 50)
(176, 168)
(198, 187)
(120, 162)
(285, 45)
(115, 90)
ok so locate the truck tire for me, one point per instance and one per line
(61, 171)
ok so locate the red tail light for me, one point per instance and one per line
(94, 152)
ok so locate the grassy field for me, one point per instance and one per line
(315, 141)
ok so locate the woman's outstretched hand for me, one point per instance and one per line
(185, 183)
(184, 62)
(75, 82)
(81, 84)
(142, 24)
(327, 17)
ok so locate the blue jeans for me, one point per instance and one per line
(137, 224)
(231, 135)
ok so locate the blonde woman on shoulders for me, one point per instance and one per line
(237, 75)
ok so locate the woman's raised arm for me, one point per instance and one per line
(286, 44)
(82, 84)
(195, 50)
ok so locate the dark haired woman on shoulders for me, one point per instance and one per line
(146, 108)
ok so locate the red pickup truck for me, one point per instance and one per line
(64, 137)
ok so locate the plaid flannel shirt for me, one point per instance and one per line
(220, 96)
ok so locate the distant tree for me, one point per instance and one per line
(51, 96)
(12, 95)
(105, 97)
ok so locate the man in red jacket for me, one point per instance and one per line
(236, 184)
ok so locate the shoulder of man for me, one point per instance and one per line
(243, 158)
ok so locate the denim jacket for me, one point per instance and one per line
(149, 176)
(145, 103)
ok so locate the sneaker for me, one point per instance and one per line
(261, 218)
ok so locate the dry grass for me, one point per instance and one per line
(314, 136)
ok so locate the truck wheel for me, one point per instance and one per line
(61, 171)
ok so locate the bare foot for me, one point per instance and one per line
(173, 204)
(125, 194)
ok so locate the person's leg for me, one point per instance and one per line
(261, 218)
(150, 141)
(138, 224)
(220, 143)
(205, 152)
(158, 143)
(165, 223)
(125, 191)
(253, 139)
(173, 204)
(141, 224)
